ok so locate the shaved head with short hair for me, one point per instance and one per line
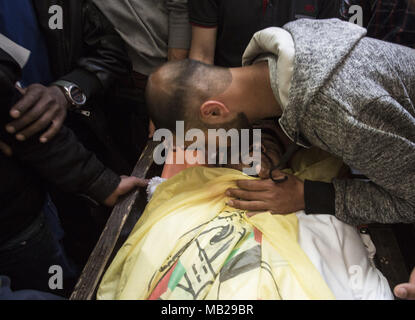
(176, 91)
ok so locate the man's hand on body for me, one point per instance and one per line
(126, 185)
(265, 195)
(40, 108)
(406, 290)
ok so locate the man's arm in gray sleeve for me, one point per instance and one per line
(179, 26)
(380, 143)
(363, 202)
(378, 140)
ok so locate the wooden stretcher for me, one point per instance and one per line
(395, 255)
(119, 225)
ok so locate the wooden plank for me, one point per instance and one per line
(96, 265)
(389, 258)
(405, 235)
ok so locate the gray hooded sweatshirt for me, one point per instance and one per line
(352, 96)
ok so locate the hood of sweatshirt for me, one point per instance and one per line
(320, 48)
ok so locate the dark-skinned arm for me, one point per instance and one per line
(62, 161)
(105, 61)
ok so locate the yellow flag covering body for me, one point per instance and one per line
(190, 245)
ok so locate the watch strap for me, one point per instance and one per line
(65, 87)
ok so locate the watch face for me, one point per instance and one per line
(77, 96)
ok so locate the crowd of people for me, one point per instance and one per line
(79, 102)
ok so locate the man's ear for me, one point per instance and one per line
(214, 112)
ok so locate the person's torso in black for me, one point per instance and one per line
(239, 20)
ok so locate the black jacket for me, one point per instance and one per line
(63, 161)
(87, 50)
(90, 54)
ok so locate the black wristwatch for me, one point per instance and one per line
(72, 92)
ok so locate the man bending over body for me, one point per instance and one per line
(333, 88)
